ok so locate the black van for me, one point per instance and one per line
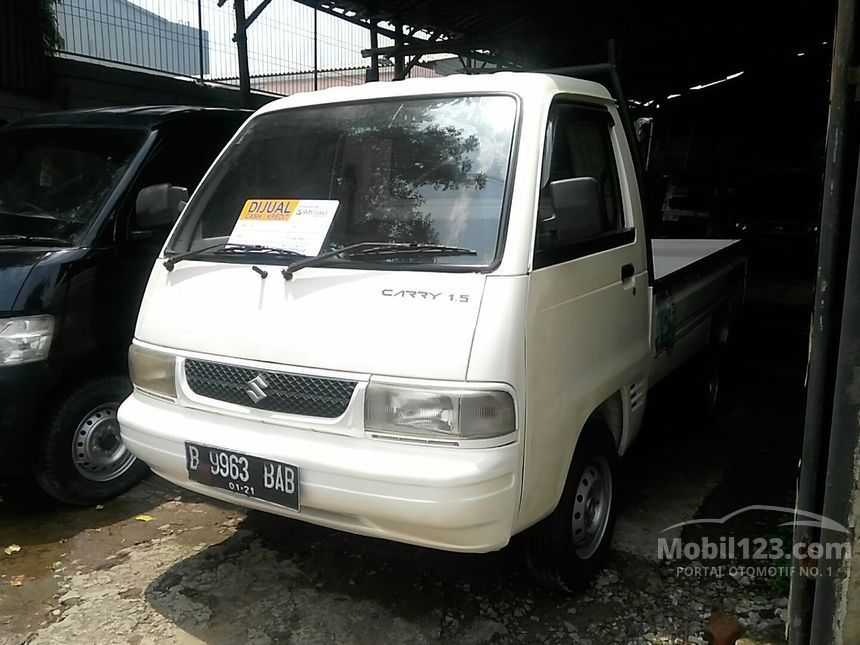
(87, 199)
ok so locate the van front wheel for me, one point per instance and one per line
(81, 458)
(565, 550)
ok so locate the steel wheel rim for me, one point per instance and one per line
(97, 449)
(592, 504)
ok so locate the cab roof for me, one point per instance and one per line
(524, 84)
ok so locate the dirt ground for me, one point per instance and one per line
(160, 565)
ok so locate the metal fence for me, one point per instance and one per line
(291, 47)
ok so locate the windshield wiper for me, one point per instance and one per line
(378, 249)
(35, 239)
(398, 248)
(228, 247)
(361, 248)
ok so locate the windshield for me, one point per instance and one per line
(53, 181)
(429, 171)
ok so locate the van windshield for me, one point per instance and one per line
(430, 171)
(55, 180)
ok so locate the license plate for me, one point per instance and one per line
(255, 477)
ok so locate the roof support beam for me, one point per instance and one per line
(824, 486)
(417, 59)
(241, 39)
(409, 40)
(354, 19)
(372, 74)
(256, 13)
(399, 58)
(420, 48)
(452, 46)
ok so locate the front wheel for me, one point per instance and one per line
(565, 550)
(81, 458)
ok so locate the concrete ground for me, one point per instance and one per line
(160, 565)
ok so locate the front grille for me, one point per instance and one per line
(311, 396)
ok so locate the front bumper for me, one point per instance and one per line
(22, 394)
(457, 499)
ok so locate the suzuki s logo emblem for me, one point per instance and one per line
(255, 388)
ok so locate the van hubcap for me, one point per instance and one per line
(97, 450)
(591, 507)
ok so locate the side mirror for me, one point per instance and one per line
(576, 210)
(159, 205)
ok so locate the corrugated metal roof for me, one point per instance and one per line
(666, 44)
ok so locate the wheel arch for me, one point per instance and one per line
(722, 316)
(73, 376)
(611, 413)
(609, 416)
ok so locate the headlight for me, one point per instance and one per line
(24, 340)
(151, 371)
(464, 414)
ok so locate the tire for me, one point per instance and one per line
(80, 458)
(557, 557)
(710, 366)
(710, 371)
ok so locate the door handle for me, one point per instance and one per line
(627, 272)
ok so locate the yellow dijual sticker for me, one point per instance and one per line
(269, 209)
(299, 225)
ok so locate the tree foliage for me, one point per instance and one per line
(420, 154)
(52, 40)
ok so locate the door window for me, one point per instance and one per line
(181, 158)
(579, 144)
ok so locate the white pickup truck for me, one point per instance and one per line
(425, 311)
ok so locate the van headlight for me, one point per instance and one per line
(152, 371)
(450, 413)
(25, 339)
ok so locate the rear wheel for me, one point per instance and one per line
(81, 458)
(565, 550)
(711, 364)
(710, 368)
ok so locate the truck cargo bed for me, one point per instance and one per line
(676, 257)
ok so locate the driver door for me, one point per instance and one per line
(588, 302)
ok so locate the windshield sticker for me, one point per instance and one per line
(298, 225)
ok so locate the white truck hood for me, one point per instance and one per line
(393, 323)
